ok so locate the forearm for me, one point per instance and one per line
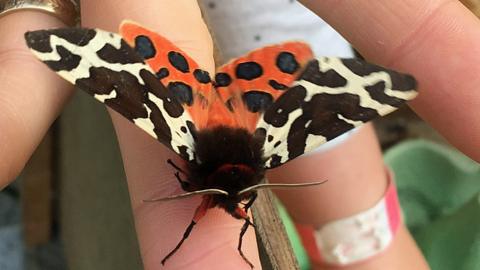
(357, 180)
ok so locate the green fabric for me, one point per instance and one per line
(439, 190)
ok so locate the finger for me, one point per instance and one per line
(31, 95)
(160, 226)
(437, 40)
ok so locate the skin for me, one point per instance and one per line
(436, 40)
(22, 126)
(414, 36)
(347, 192)
(160, 226)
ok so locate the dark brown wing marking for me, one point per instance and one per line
(106, 67)
(328, 99)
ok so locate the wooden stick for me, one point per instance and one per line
(473, 5)
(272, 234)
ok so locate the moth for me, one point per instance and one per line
(258, 112)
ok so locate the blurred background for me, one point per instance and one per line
(70, 207)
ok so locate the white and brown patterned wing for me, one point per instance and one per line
(105, 66)
(330, 97)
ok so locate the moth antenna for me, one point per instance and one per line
(210, 191)
(279, 186)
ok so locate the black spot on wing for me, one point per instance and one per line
(170, 103)
(248, 71)
(130, 95)
(160, 125)
(182, 91)
(276, 85)
(201, 76)
(162, 73)
(68, 61)
(144, 47)
(40, 40)
(178, 61)
(287, 63)
(270, 138)
(330, 78)
(400, 81)
(361, 68)
(377, 92)
(124, 55)
(275, 161)
(323, 110)
(222, 79)
(192, 129)
(183, 152)
(257, 101)
(277, 114)
(77, 36)
(297, 137)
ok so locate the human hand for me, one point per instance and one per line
(437, 41)
(31, 96)
(356, 175)
(161, 225)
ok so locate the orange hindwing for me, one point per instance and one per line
(248, 85)
(178, 72)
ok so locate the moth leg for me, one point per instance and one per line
(250, 202)
(170, 162)
(185, 236)
(245, 227)
(186, 186)
(199, 213)
(242, 232)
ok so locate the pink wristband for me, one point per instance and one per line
(358, 237)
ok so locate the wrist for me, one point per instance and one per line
(358, 237)
(356, 180)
